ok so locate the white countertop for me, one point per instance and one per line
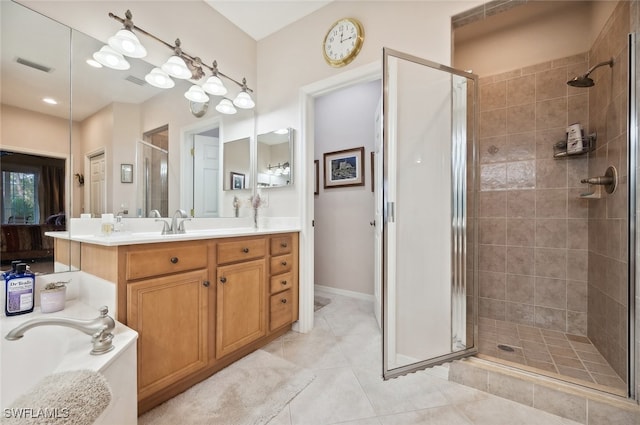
(91, 234)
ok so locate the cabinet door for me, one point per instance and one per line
(170, 315)
(240, 312)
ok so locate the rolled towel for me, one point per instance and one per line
(75, 397)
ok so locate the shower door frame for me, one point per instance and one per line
(459, 206)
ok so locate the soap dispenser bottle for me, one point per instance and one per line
(19, 289)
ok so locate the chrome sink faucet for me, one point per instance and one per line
(100, 329)
(177, 225)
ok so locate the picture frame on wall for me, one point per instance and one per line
(237, 181)
(344, 168)
(316, 185)
(126, 173)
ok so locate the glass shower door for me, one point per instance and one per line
(429, 300)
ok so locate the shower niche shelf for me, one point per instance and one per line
(588, 145)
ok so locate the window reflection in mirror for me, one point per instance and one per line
(274, 162)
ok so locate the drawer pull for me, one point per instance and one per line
(174, 260)
(284, 263)
(283, 282)
(245, 250)
(223, 279)
(283, 301)
(283, 245)
(206, 283)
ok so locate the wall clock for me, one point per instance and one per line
(343, 42)
(198, 109)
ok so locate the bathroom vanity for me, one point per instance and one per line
(199, 302)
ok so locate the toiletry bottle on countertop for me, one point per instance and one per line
(19, 289)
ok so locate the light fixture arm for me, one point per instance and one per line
(194, 63)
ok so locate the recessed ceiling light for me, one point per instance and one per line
(50, 101)
(94, 63)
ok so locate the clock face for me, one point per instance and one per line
(343, 42)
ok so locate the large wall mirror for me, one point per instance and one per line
(101, 120)
(275, 158)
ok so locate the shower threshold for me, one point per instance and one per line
(558, 355)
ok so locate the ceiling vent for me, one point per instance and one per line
(136, 80)
(33, 65)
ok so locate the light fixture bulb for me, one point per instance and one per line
(126, 43)
(196, 94)
(111, 59)
(50, 101)
(282, 131)
(94, 63)
(177, 68)
(244, 101)
(214, 86)
(160, 79)
(226, 107)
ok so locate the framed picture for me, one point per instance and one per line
(126, 173)
(237, 181)
(344, 168)
(316, 186)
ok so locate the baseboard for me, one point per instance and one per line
(344, 292)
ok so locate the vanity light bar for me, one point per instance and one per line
(195, 63)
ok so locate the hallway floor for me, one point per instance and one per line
(344, 352)
(573, 357)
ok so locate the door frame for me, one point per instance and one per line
(308, 93)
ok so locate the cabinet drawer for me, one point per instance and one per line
(281, 282)
(281, 309)
(229, 252)
(160, 261)
(281, 264)
(281, 245)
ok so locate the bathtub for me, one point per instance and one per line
(49, 349)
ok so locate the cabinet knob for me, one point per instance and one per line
(284, 263)
(283, 244)
(245, 250)
(283, 282)
(206, 283)
(223, 279)
(283, 301)
(174, 260)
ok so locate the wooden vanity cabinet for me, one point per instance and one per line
(198, 306)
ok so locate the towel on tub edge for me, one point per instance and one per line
(75, 397)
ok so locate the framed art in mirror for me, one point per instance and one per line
(237, 181)
(344, 168)
(126, 173)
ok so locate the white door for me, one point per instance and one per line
(424, 228)
(97, 185)
(377, 216)
(206, 173)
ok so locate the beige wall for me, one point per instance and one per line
(529, 34)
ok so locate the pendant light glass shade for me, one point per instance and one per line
(244, 101)
(111, 59)
(214, 86)
(159, 78)
(126, 43)
(177, 68)
(196, 94)
(226, 107)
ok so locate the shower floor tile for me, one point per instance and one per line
(572, 356)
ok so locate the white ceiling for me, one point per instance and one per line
(260, 18)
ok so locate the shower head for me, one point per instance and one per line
(584, 80)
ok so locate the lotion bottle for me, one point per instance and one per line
(19, 289)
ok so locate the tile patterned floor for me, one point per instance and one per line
(556, 352)
(344, 352)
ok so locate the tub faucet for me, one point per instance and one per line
(100, 329)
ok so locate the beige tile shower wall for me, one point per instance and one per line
(608, 236)
(533, 229)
